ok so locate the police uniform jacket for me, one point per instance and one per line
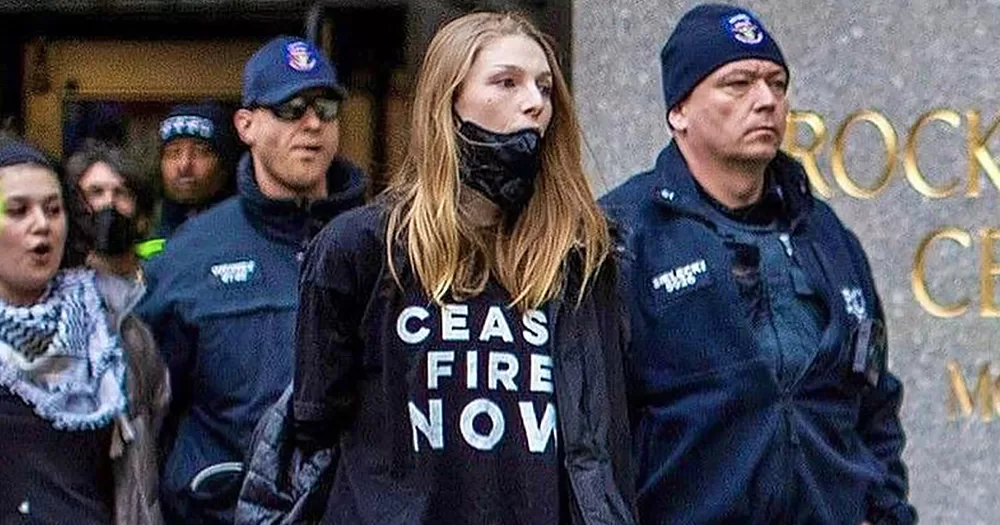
(718, 438)
(222, 302)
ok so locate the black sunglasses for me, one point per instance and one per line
(293, 109)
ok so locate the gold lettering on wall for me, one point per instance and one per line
(979, 155)
(978, 159)
(985, 396)
(889, 139)
(988, 269)
(918, 280)
(806, 154)
(912, 170)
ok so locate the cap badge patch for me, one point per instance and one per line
(188, 126)
(300, 56)
(744, 29)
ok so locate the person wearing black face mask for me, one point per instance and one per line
(120, 203)
(114, 232)
(446, 330)
(500, 166)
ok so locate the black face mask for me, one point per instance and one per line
(114, 233)
(501, 166)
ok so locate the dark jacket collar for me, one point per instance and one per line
(173, 214)
(295, 222)
(678, 191)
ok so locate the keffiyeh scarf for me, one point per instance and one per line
(62, 356)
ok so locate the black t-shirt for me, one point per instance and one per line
(482, 410)
(49, 476)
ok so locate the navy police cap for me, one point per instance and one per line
(284, 67)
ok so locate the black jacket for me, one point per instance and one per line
(349, 383)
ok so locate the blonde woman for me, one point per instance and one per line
(459, 340)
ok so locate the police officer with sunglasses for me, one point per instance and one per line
(223, 295)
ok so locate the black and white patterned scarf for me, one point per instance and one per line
(62, 356)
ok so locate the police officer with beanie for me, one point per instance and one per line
(758, 360)
(223, 294)
(197, 151)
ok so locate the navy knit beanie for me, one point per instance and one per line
(708, 37)
(206, 121)
(14, 152)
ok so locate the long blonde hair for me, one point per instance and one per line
(448, 256)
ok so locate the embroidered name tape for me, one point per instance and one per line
(681, 277)
(234, 272)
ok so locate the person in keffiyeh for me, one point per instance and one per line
(73, 429)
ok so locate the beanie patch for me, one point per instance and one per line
(744, 29)
(186, 126)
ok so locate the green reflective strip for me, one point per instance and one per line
(147, 249)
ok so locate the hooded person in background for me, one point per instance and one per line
(222, 305)
(120, 203)
(758, 373)
(197, 150)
